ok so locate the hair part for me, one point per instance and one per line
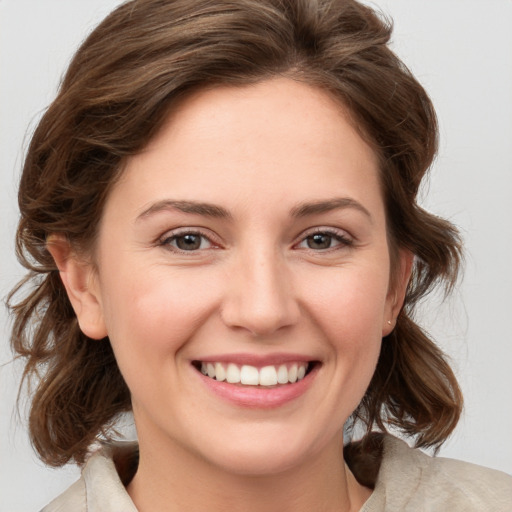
(139, 63)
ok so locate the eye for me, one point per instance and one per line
(188, 241)
(323, 240)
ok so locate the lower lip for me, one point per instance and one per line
(259, 397)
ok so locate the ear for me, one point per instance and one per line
(81, 283)
(397, 291)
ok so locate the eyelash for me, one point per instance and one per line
(337, 235)
(167, 240)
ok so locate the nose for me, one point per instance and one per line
(260, 297)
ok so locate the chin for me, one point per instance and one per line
(258, 462)
(264, 454)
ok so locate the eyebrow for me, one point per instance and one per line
(218, 212)
(316, 207)
(204, 209)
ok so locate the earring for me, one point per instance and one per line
(390, 322)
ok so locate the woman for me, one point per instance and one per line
(219, 212)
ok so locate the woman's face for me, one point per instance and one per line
(247, 241)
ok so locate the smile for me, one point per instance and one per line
(248, 375)
(253, 382)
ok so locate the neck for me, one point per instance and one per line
(323, 483)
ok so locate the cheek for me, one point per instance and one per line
(150, 317)
(350, 311)
(351, 303)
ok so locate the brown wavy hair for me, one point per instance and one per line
(120, 86)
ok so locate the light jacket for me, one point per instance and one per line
(408, 481)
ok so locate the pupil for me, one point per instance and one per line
(188, 242)
(319, 241)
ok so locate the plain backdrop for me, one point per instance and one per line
(461, 51)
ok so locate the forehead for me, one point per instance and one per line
(279, 110)
(279, 139)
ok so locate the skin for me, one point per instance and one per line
(256, 283)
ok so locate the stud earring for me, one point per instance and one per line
(390, 322)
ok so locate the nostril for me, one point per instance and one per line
(257, 320)
(262, 302)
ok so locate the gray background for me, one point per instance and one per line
(461, 50)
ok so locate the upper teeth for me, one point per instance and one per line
(253, 376)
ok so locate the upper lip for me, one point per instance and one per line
(256, 359)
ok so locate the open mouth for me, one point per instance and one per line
(247, 375)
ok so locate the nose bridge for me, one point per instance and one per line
(260, 297)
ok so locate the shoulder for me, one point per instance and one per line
(412, 480)
(72, 499)
(100, 487)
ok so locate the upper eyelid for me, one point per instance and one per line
(196, 230)
(325, 229)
